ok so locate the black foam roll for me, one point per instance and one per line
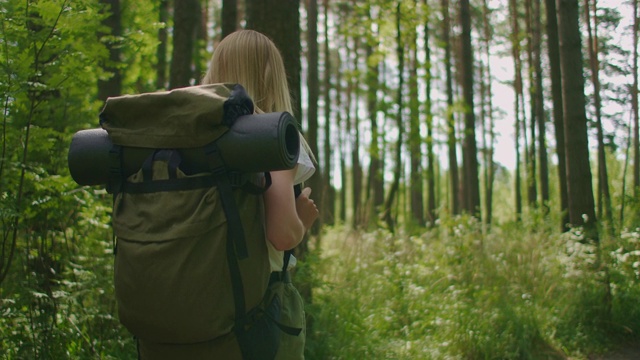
(254, 143)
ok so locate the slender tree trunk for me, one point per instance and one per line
(161, 51)
(604, 198)
(328, 202)
(532, 185)
(185, 23)
(355, 140)
(229, 17)
(451, 125)
(397, 172)
(431, 178)
(470, 160)
(634, 99)
(489, 147)
(113, 85)
(540, 114)
(558, 117)
(280, 20)
(375, 187)
(313, 86)
(580, 189)
(415, 139)
(517, 85)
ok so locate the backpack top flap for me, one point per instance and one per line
(181, 118)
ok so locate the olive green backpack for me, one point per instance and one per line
(191, 263)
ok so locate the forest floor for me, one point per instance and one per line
(627, 352)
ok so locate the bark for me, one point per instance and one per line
(488, 95)
(517, 85)
(280, 21)
(229, 17)
(634, 99)
(113, 85)
(328, 199)
(580, 188)
(532, 186)
(451, 128)
(470, 161)
(431, 178)
(397, 171)
(161, 51)
(539, 109)
(604, 197)
(313, 86)
(553, 47)
(186, 16)
(415, 140)
(354, 131)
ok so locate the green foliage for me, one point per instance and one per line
(511, 294)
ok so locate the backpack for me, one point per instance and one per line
(191, 263)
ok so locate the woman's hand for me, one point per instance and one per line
(306, 208)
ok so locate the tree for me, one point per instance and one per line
(634, 100)
(431, 177)
(487, 116)
(469, 153)
(604, 198)
(580, 190)
(518, 109)
(328, 201)
(161, 52)
(397, 170)
(416, 187)
(186, 17)
(553, 48)
(313, 85)
(112, 86)
(229, 16)
(451, 126)
(280, 21)
(540, 117)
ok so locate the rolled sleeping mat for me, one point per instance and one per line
(254, 143)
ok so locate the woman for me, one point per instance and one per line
(252, 60)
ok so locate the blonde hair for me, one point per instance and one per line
(252, 60)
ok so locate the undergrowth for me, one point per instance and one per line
(458, 292)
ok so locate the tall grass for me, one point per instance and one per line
(457, 292)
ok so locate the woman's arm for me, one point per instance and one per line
(287, 217)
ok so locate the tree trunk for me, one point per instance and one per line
(469, 154)
(229, 17)
(415, 140)
(580, 189)
(451, 126)
(186, 16)
(517, 85)
(489, 147)
(634, 99)
(354, 131)
(313, 85)
(280, 21)
(328, 201)
(604, 198)
(375, 187)
(553, 47)
(113, 85)
(431, 178)
(161, 51)
(540, 114)
(397, 171)
(532, 185)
